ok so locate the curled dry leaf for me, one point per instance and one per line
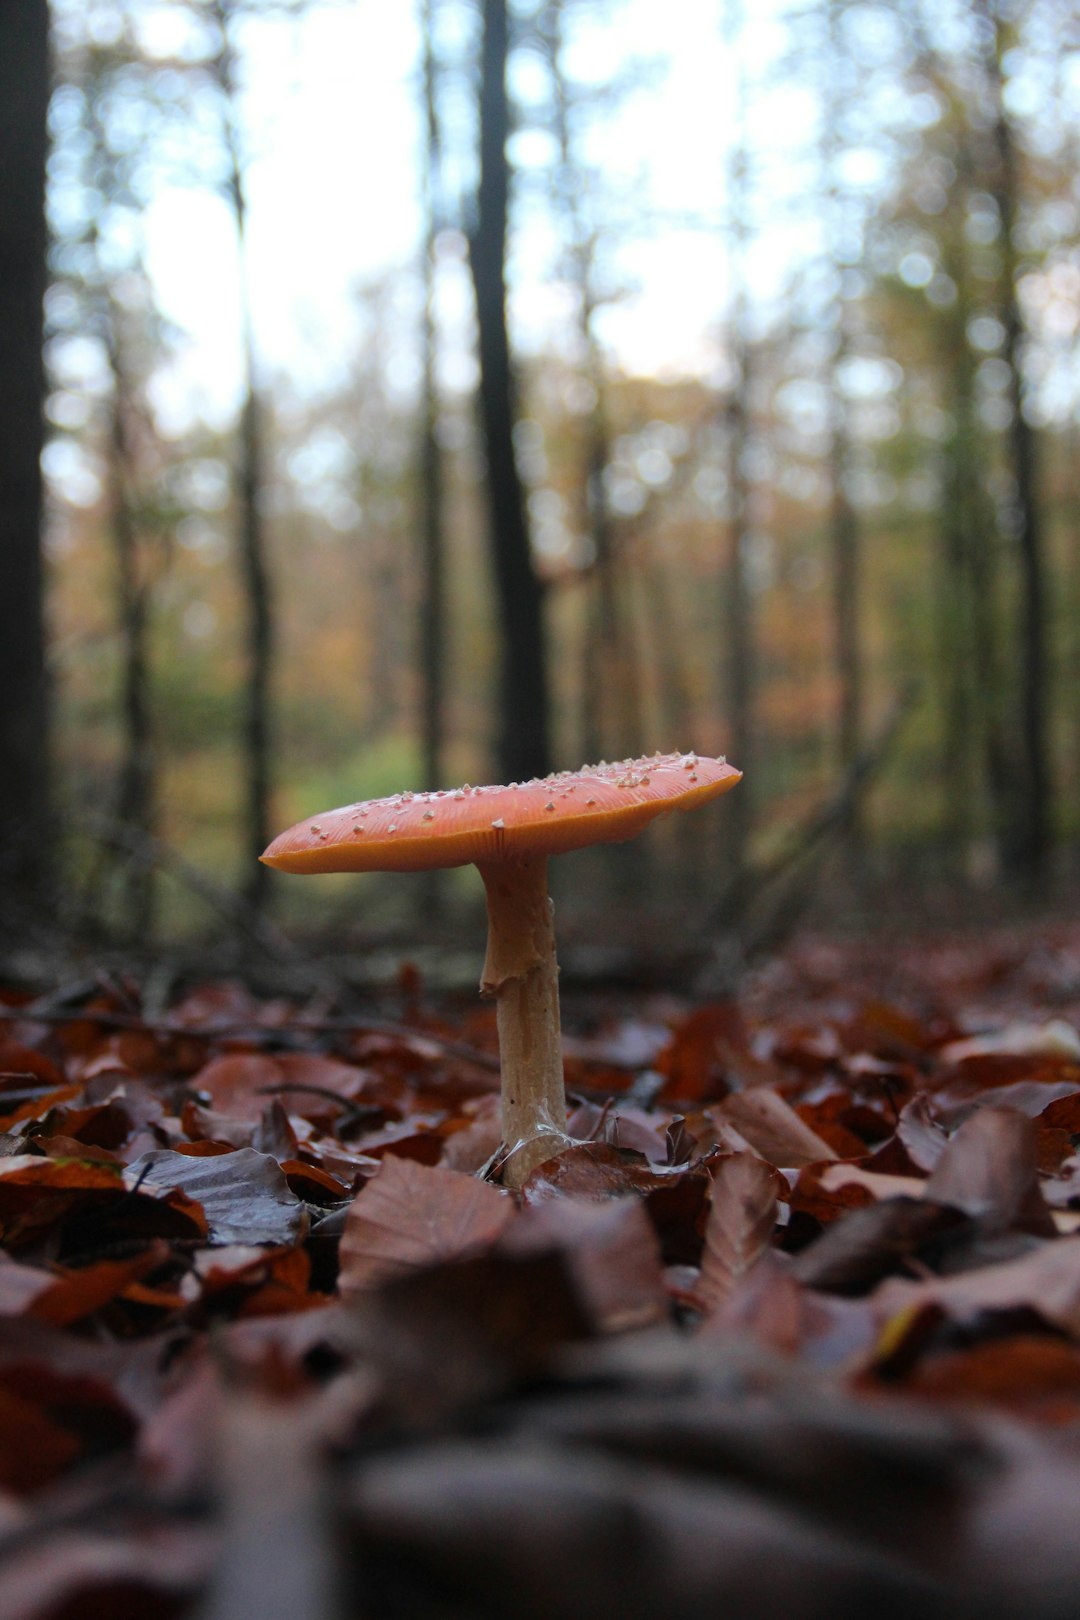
(922, 1136)
(244, 1195)
(989, 1170)
(611, 1250)
(773, 1128)
(1046, 1280)
(411, 1215)
(742, 1215)
(825, 1190)
(864, 1245)
(78, 1294)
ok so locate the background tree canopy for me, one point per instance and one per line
(469, 390)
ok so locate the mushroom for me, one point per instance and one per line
(508, 834)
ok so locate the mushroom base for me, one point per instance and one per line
(522, 972)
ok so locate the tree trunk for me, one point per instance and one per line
(255, 574)
(843, 526)
(976, 755)
(248, 479)
(845, 559)
(738, 632)
(135, 795)
(523, 742)
(1032, 844)
(432, 514)
(24, 806)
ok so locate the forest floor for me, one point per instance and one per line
(794, 1326)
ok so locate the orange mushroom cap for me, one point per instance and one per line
(413, 832)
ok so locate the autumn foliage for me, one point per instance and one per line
(794, 1323)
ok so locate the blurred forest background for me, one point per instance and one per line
(460, 389)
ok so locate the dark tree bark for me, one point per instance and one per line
(251, 541)
(976, 757)
(24, 786)
(432, 626)
(523, 741)
(135, 806)
(255, 573)
(1032, 837)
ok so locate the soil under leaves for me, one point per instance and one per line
(793, 1328)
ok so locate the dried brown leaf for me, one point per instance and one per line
(922, 1135)
(612, 1253)
(742, 1216)
(80, 1293)
(774, 1129)
(989, 1170)
(826, 1190)
(1046, 1280)
(244, 1195)
(865, 1245)
(1037, 1375)
(411, 1215)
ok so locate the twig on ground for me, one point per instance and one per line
(744, 921)
(222, 899)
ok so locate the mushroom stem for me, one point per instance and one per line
(521, 971)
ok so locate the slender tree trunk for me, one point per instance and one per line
(249, 478)
(611, 697)
(845, 554)
(977, 539)
(671, 651)
(602, 665)
(523, 742)
(952, 660)
(255, 575)
(135, 796)
(738, 631)
(387, 656)
(24, 785)
(432, 515)
(1033, 831)
(842, 521)
(975, 743)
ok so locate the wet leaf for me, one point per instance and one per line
(596, 1170)
(244, 1195)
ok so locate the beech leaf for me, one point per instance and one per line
(774, 1129)
(244, 1195)
(411, 1215)
(989, 1170)
(739, 1229)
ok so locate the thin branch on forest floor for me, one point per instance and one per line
(262, 1034)
(796, 865)
(352, 1113)
(140, 845)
